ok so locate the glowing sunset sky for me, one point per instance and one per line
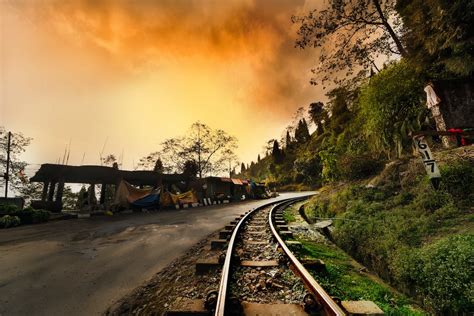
(137, 72)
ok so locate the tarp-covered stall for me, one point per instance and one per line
(129, 196)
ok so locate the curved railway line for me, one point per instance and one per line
(279, 273)
(261, 275)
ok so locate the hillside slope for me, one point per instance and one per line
(419, 239)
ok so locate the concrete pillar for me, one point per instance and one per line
(52, 186)
(91, 195)
(44, 195)
(59, 192)
(103, 191)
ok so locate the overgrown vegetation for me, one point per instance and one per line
(342, 279)
(418, 238)
(11, 216)
(386, 212)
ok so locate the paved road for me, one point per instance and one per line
(80, 267)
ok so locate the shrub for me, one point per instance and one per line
(40, 216)
(391, 102)
(354, 167)
(9, 221)
(8, 209)
(441, 273)
(457, 179)
(31, 216)
(431, 200)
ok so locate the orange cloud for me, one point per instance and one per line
(233, 62)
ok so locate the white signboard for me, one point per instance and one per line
(427, 156)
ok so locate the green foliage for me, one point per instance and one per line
(392, 230)
(354, 167)
(442, 273)
(343, 280)
(8, 221)
(457, 179)
(27, 215)
(439, 35)
(302, 132)
(6, 209)
(392, 104)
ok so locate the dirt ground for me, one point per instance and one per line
(176, 281)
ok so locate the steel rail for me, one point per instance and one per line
(329, 305)
(222, 295)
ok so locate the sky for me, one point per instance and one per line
(128, 74)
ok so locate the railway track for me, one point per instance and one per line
(261, 275)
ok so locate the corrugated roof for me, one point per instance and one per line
(237, 181)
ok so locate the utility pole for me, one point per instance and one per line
(8, 163)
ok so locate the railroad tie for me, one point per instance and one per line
(205, 265)
(217, 244)
(263, 263)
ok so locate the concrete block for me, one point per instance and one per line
(274, 309)
(361, 308)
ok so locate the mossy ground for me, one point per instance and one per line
(346, 279)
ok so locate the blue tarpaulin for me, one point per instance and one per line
(150, 200)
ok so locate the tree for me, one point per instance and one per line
(287, 139)
(69, 199)
(302, 132)
(276, 152)
(351, 35)
(269, 146)
(18, 144)
(242, 168)
(318, 115)
(190, 168)
(159, 166)
(340, 99)
(439, 35)
(206, 146)
(258, 158)
(108, 160)
(392, 107)
(153, 161)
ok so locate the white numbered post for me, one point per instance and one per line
(427, 157)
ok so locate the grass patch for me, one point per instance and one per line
(288, 216)
(343, 280)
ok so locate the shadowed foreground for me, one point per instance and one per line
(80, 267)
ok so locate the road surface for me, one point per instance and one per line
(82, 266)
